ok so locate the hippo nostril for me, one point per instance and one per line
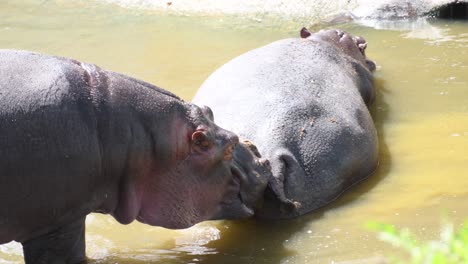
(371, 65)
(265, 163)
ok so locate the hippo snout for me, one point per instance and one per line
(250, 174)
(353, 46)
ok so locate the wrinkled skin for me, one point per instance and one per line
(76, 139)
(252, 174)
(304, 103)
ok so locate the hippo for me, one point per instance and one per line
(304, 103)
(76, 138)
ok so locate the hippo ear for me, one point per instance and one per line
(208, 112)
(305, 33)
(201, 141)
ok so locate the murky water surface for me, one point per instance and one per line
(421, 114)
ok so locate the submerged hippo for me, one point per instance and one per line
(304, 103)
(75, 139)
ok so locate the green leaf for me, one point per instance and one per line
(451, 248)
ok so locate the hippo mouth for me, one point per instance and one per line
(235, 204)
(250, 176)
(245, 207)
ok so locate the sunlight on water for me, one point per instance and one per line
(421, 113)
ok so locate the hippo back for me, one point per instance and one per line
(303, 103)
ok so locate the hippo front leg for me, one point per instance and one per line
(65, 245)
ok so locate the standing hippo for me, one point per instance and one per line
(304, 103)
(75, 139)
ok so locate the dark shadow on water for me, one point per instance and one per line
(380, 112)
(253, 241)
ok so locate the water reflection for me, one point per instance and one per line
(194, 241)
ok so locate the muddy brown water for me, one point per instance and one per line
(421, 113)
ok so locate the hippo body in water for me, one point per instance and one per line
(75, 139)
(304, 103)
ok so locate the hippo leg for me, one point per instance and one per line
(63, 245)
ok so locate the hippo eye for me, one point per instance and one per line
(265, 163)
(202, 143)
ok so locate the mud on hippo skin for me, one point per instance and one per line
(75, 139)
(303, 102)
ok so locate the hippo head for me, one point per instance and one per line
(353, 46)
(208, 176)
(251, 176)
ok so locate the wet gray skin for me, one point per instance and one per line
(253, 178)
(304, 103)
(76, 139)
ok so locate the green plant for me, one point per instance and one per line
(451, 248)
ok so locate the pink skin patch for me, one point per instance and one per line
(191, 186)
